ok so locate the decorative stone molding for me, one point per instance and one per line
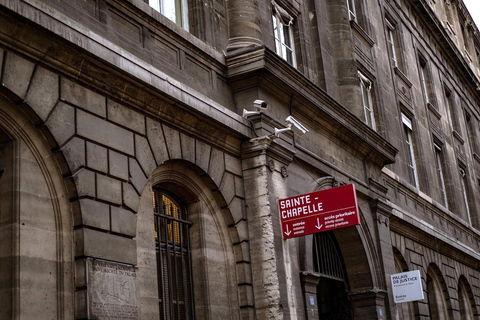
(382, 210)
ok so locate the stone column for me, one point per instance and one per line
(264, 169)
(383, 212)
(347, 90)
(243, 24)
(309, 285)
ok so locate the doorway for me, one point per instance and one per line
(332, 288)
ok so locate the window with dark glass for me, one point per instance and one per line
(174, 269)
(471, 133)
(450, 107)
(425, 80)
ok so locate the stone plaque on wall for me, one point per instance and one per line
(112, 291)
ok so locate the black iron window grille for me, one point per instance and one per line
(174, 267)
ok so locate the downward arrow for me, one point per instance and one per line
(318, 226)
(288, 232)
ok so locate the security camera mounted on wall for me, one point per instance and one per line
(294, 125)
(260, 105)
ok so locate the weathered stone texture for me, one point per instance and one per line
(202, 155)
(85, 183)
(17, 73)
(109, 189)
(103, 132)
(172, 140)
(102, 245)
(157, 141)
(144, 155)
(123, 221)
(130, 197)
(118, 165)
(82, 97)
(61, 122)
(97, 157)
(126, 117)
(74, 152)
(188, 147)
(216, 166)
(43, 93)
(137, 176)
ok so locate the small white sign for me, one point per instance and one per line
(407, 286)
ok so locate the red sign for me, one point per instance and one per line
(319, 211)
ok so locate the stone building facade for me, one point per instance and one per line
(131, 186)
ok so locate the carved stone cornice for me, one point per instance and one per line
(258, 151)
(446, 41)
(322, 112)
(382, 210)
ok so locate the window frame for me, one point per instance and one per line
(181, 11)
(166, 292)
(352, 10)
(464, 186)
(367, 103)
(449, 102)
(394, 42)
(280, 36)
(407, 127)
(425, 79)
(439, 162)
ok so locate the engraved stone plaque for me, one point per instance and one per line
(112, 291)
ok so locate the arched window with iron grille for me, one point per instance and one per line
(333, 302)
(174, 267)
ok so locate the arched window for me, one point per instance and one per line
(466, 300)
(437, 295)
(174, 267)
(333, 302)
(403, 311)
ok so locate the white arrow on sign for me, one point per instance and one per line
(318, 226)
(288, 232)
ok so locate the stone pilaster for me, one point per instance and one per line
(264, 165)
(369, 304)
(309, 286)
(383, 211)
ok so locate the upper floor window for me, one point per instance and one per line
(437, 295)
(425, 80)
(441, 173)
(174, 268)
(366, 89)
(450, 107)
(466, 200)
(471, 133)
(283, 33)
(175, 10)
(411, 163)
(352, 12)
(393, 44)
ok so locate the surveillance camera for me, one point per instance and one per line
(260, 105)
(297, 126)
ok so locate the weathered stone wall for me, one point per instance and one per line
(111, 151)
(35, 222)
(420, 256)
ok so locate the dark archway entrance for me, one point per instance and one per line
(332, 288)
